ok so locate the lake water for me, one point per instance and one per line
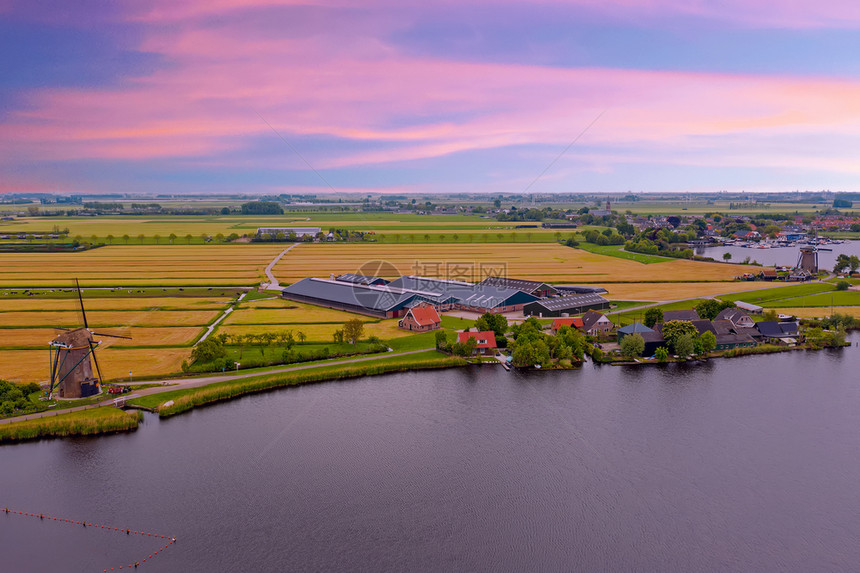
(781, 256)
(747, 464)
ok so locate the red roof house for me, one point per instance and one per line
(574, 322)
(421, 318)
(486, 341)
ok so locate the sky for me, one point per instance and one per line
(431, 96)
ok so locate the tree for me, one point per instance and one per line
(709, 341)
(653, 316)
(171, 238)
(842, 262)
(727, 257)
(632, 345)
(110, 239)
(140, 238)
(219, 237)
(188, 238)
(125, 239)
(208, 350)
(662, 354)
(842, 285)
(352, 330)
(675, 329)
(684, 345)
(157, 238)
(708, 309)
(337, 336)
(495, 322)
(441, 340)
(854, 263)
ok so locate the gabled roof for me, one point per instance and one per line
(590, 318)
(703, 326)
(690, 315)
(467, 294)
(734, 338)
(575, 322)
(635, 328)
(485, 338)
(733, 314)
(723, 327)
(748, 306)
(424, 314)
(774, 329)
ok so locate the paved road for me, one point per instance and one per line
(273, 282)
(180, 383)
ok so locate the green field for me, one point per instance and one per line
(618, 251)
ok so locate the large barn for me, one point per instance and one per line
(565, 305)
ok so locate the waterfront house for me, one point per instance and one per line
(596, 324)
(778, 332)
(736, 316)
(486, 341)
(421, 318)
(653, 339)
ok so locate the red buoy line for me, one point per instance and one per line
(135, 565)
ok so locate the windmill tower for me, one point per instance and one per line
(71, 351)
(807, 260)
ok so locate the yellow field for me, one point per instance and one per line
(674, 291)
(549, 262)
(93, 304)
(157, 265)
(115, 363)
(104, 319)
(319, 332)
(40, 337)
(819, 312)
(280, 313)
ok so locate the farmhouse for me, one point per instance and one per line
(421, 318)
(565, 305)
(596, 323)
(736, 316)
(574, 322)
(298, 231)
(486, 341)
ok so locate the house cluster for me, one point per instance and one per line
(732, 328)
(379, 297)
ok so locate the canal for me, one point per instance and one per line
(747, 464)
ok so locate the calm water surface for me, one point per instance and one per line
(749, 464)
(782, 256)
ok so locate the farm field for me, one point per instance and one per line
(774, 294)
(832, 298)
(140, 265)
(113, 304)
(286, 312)
(673, 291)
(385, 329)
(40, 337)
(820, 312)
(115, 363)
(551, 262)
(114, 320)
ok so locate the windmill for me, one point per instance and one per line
(807, 260)
(70, 351)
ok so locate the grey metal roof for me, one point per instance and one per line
(570, 302)
(359, 279)
(636, 327)
(690, 315)
(580, 289)
(747, 306)
(380, 298)
(461, 292)
(519, 284)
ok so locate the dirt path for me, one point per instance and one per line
(273, 282)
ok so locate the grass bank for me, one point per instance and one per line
(189, 398)
(84, 423)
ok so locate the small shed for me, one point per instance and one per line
(753, 308)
